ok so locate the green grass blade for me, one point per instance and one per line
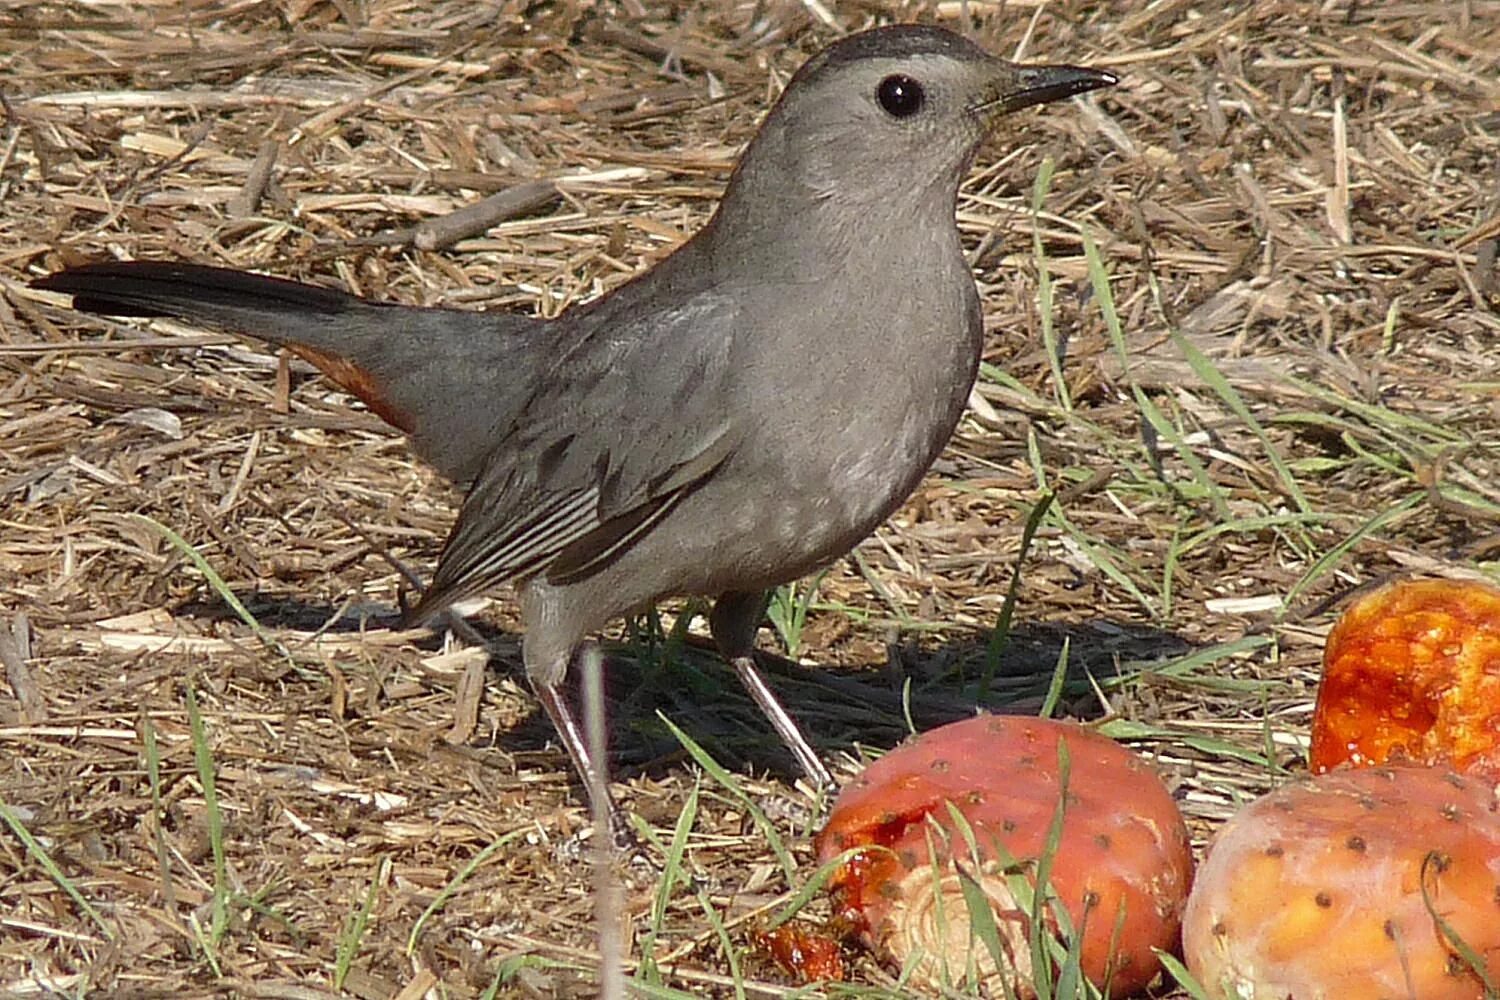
(354, 930)
(1215, 380)
(814, 885)
(1044, 294)
(1335, 555)
(1180, 972)
(37, 851)
(1040, 957)
(1059, 680)
(203, 761)
(152, 754)
(217, 584)
(206, 945)
(1187, 666)
(982, 925)
(457, 880)
(1000, 634)
(731, 954)
(1155, 419)
(789, 607)
(672, 875)
(716, 771)
(1432, 866)
(1094, 550)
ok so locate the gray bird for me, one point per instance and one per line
(740, 415)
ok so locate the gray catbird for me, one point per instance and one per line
(741, 414)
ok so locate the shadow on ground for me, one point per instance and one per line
(921, 684)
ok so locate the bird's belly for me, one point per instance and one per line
(807, 509)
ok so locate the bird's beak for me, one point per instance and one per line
(1015, 87)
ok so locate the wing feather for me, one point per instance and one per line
(595, 460)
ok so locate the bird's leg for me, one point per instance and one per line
(782, 722)
(734, 621)
(555, 703)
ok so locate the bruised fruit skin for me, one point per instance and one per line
(1411, 672)
(1315, 890)
(1123, 846)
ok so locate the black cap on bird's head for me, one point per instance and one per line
(1011, 86)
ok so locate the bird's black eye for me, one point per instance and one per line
(901, 96)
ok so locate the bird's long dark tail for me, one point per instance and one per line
(302, 318)
(448, 378)
(213, 295)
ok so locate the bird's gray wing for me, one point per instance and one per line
(630, 417)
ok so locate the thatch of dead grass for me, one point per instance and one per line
(1305, 194)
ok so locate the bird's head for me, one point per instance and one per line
(889, 118)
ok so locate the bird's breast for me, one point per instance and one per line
(848, 383)
(860, 443)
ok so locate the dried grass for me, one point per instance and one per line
(1304, 192)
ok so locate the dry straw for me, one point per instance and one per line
(1295, 213)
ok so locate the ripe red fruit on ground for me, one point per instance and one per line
(1316, 891)
(1411, 672)
(1123, 850)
